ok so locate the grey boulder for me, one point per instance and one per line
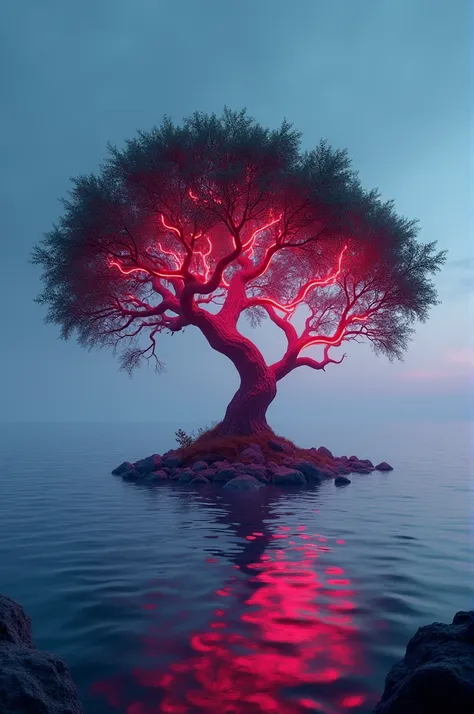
(225, 474)
(171, 461)
(199, 480)
(242, 483)
(309, 470)
(254, 453)
(149, 464)
(342, 481)
(123, 468)
(199, 466)
(283, 476)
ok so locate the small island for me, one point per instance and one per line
(245, 463)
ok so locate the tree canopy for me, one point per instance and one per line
(195, 224)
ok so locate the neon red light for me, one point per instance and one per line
(129, 271)
(170, 228)
(250, 243)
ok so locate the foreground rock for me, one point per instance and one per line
(436, 675)
(270, 462)
(31, 682)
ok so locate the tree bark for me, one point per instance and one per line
(246, 413)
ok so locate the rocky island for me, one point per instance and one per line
(246, 463)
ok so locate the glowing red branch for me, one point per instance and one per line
(337, 338)
(149, 271)
(171, 228)
(251, 241)
(319, 282)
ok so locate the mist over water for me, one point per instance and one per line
(180, 600)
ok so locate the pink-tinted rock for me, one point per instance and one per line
(284, 476)
(383, 466)
(199, 465)
(225, 474)
(200, 480)
(325, 452)
(242, 483)
(149, 464)
(253, 453)
(157, 477)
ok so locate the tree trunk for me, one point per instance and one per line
(246, 413)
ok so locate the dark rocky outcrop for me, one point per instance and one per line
(272, 462)
(31, 682)
(436, 675)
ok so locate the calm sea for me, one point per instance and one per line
(183, 601)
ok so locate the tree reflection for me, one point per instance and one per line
(284, 639)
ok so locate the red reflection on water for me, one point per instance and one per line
(296, 634)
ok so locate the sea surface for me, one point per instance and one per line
(185, 601)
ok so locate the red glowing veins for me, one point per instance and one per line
(208, 278)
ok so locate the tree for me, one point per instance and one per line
(199, 223)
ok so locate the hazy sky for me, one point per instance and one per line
(386, 79)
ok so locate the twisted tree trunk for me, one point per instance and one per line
(246, 412)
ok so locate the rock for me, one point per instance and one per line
(132, 475)
(367, 463)
(254, 453)
(308, 469)
(343, 469)
(200, 480)
(15, 625)
(171, 461)
(353, 458)
(146, 466)
(34, 682)
(383, 466)
(283, 476)
(325, 452)
(342, 481)
(436, 675)
(225, 474)
(157, 477)
(186, 476)
(220, 464)
(199, 465)
(123, 468)
(31, 682)
(258, 471)
(242, 483)
(359, 468)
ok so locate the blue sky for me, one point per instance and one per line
(387, 80)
